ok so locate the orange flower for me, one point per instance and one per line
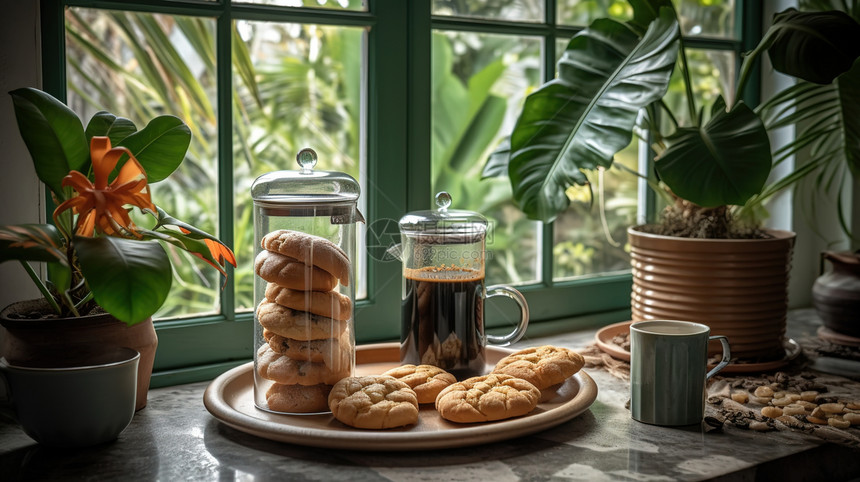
(219, 252)
(101, 206)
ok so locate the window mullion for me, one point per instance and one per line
(224, 29)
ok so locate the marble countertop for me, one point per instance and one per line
(175, 438)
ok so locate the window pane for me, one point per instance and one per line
(338, 4)
(712, 74)
(707, 18)
(591, 236)
(297, 85)
(140, 66)
(583, 12)
(478, 87)
(522, 10)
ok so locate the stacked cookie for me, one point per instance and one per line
(305, 320)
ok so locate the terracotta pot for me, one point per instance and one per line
(738, 287)
(39, 341)
(836, 294)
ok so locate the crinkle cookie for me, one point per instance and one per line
(310, 249)
(330, 303)
(292, 273)
(284, 370)
(298, 398)
(298, 325)
(373, 402)
(426, 380)
(487, 398)
(542, 366)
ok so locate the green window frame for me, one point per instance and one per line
(398, 119)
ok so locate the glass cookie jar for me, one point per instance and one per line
(304, 286)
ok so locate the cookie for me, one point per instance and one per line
(285, 370)
(426, 380)
(542, 366)
(298, 325)
(330, 303)
(334, 352)
(310, 249)
(298, 398)
(292, 273)
(373, 402)
(487, 398)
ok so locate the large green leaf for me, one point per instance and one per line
(31, 242)
(106, 124)
(160, 147)
(53, 134)
(814, 46)
(583, 118)
(130, 279)
(726, 161)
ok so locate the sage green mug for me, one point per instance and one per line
(668, 365)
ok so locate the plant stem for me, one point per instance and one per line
(86, 298)
(42, 288)
(749, 60)
(691, 102)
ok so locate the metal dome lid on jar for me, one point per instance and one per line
(306, 191)
(444, 225)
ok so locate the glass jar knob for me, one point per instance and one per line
(443, 200)
(307, 159)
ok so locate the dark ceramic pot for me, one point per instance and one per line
(41, 341)
(836, 294)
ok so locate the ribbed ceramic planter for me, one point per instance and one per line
(39, 341)
(738, 287)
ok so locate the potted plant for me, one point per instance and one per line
(107, 270)
(713, 173)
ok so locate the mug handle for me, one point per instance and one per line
(727, 355)
(520, 330)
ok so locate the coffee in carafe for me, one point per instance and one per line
(443, 291)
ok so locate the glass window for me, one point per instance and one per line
(297, 85)
(583, 12)
(333, 4)
(707, 18)
(139, 66)
(479, 82)
(522, 10)
(409, 101)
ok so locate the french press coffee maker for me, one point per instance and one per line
(444, 292)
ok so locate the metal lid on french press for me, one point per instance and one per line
(306, 191)
(444, 225)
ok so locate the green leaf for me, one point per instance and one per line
(814, 46)
(497, 164)
(106, 124)
(727, 161)
(31, 242)
(160, 147)
(130, 279)
(53, 134)
(583, 118)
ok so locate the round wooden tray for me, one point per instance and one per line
(230, 399)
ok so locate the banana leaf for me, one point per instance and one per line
(726, 161)
(584, 117)
(813, 46)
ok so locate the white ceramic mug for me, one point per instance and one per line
(668, 364)
(72, 405)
